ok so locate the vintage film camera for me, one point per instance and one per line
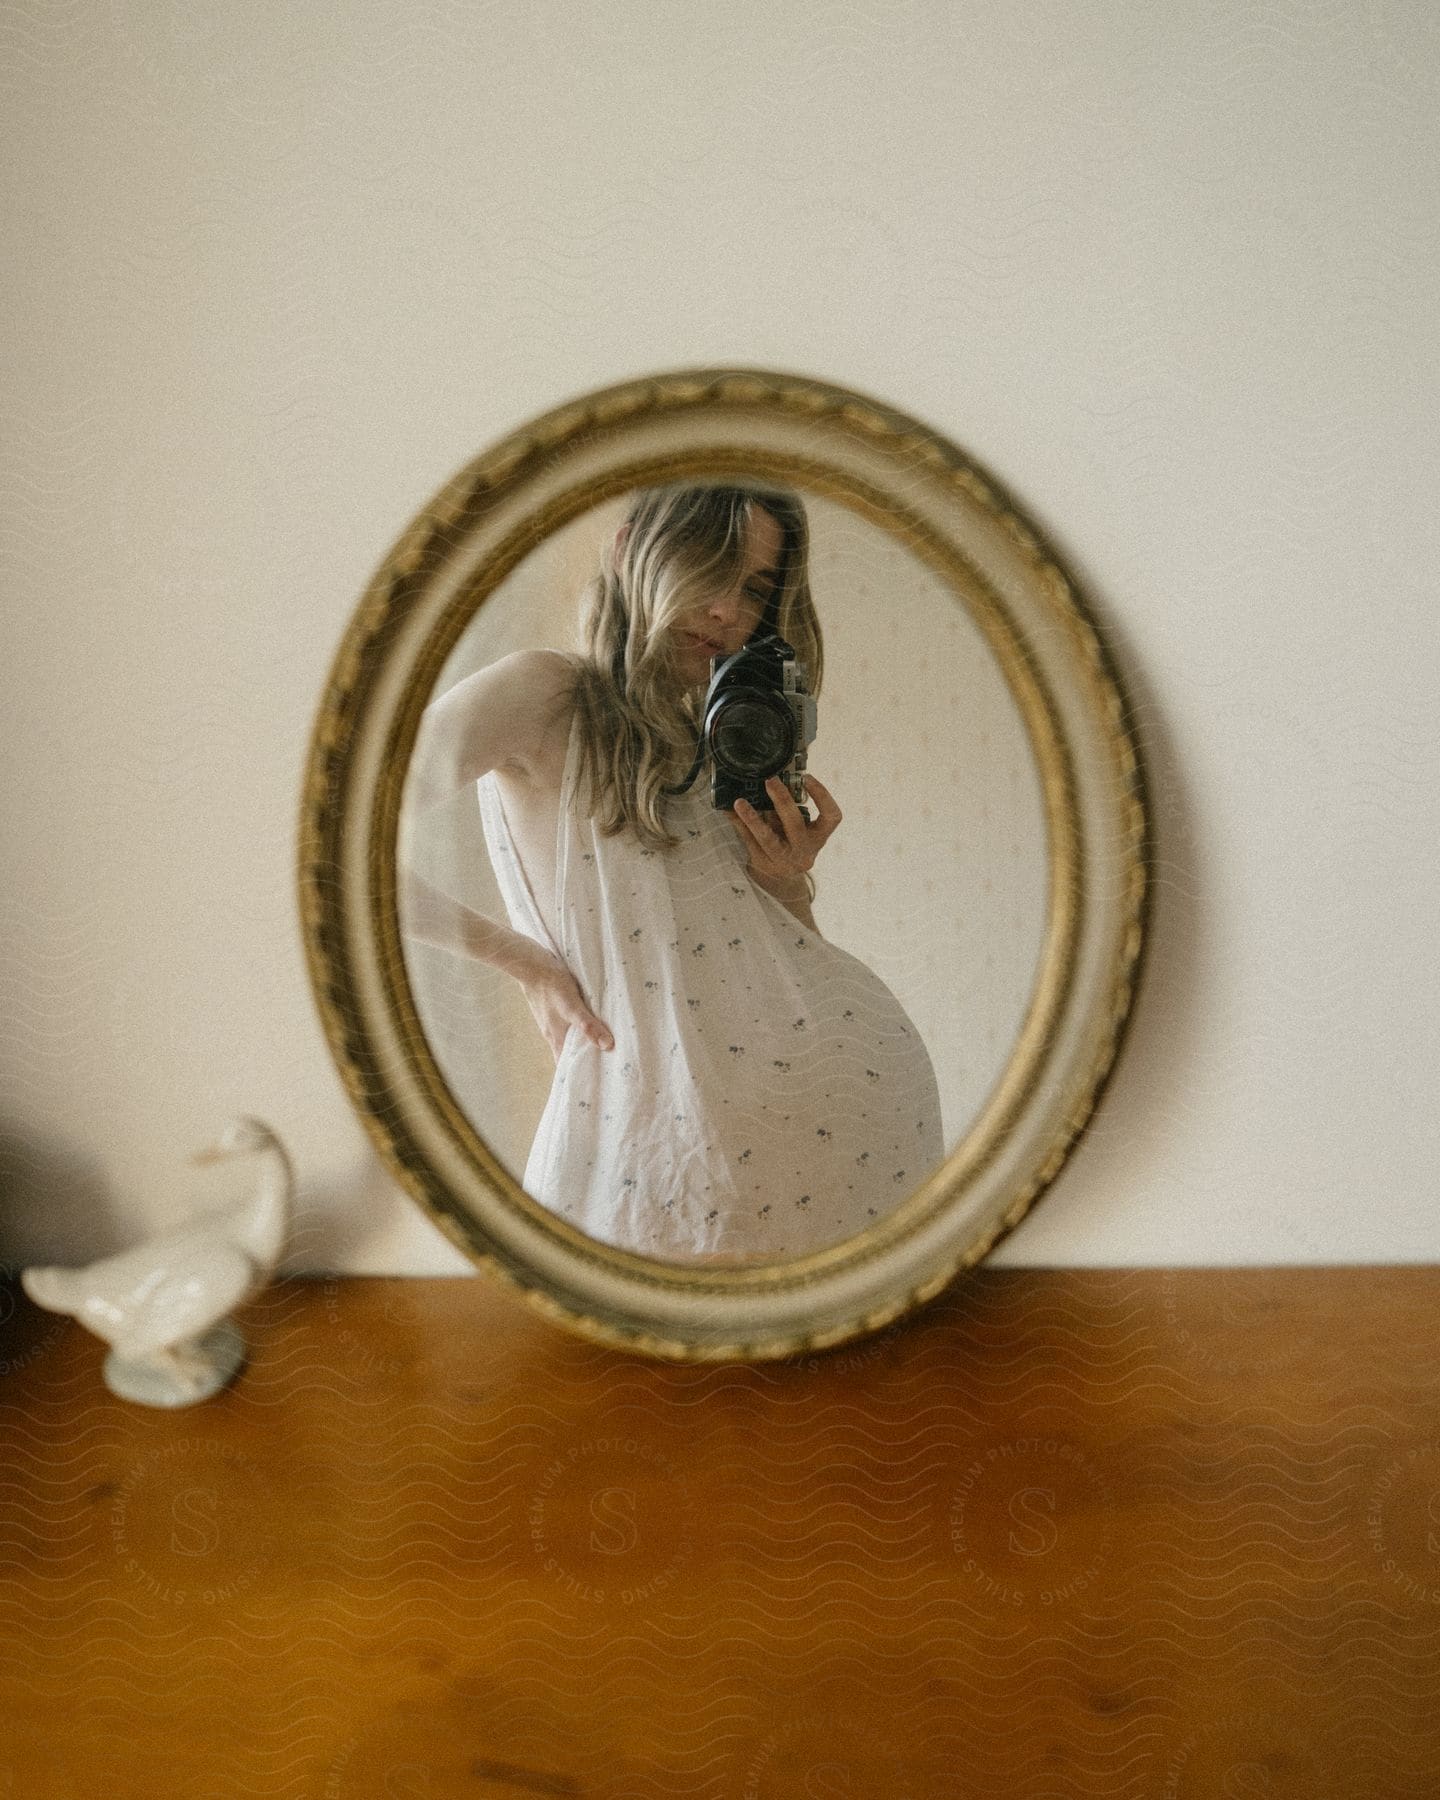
(759, 721)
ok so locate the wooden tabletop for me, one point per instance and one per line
(1065, 1534)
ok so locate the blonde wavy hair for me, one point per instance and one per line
(639, 726)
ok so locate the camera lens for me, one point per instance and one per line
(752, 736)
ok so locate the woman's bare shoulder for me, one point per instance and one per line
(557, 664)
(508, 716)
(540, 677)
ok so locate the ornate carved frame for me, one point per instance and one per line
(704, 424)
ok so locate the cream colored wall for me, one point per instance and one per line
(1169, 272)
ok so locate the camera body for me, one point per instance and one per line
(759, 720)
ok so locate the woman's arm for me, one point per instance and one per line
(782, 844)
(552, 992)
(434, 918)
(494, 719)
(795, 896)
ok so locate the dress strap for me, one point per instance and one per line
(567, 831)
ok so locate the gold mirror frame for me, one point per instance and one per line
(717, 424)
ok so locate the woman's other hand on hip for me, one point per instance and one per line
(554, 997)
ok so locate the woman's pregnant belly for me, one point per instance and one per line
(773, 1096)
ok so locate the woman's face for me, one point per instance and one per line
(724, 623)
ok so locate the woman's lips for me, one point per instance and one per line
(705, 644)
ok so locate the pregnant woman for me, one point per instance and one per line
(728, 1086)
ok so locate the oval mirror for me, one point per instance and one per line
(723, 863)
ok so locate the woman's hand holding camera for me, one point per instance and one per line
(783, 845)
(555, 999)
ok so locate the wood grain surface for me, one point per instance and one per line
(1084, 1533)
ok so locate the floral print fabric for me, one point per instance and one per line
(767, 1094)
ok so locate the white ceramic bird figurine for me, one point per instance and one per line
(162, 1306)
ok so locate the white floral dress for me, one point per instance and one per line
(767, 1094)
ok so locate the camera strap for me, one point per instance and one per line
(689, 781)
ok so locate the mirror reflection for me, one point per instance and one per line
(723, 872)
